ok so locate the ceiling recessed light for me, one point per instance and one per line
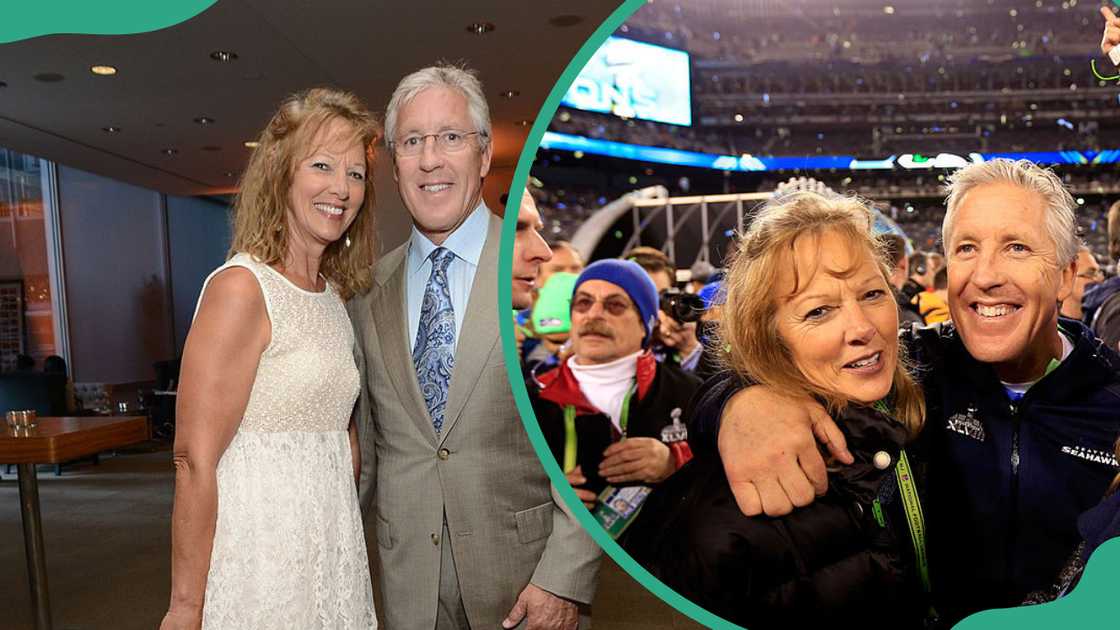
(480, 28)
(231, 174)
(204, 120)
(525, 123)
(224, 56)
(563, 21)
(105, 71)
(508, 94)
(49, 77)
(110, 129)
(170, 151)
(252, 144)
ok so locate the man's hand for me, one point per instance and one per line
(542, 610)
(769, 454)
(1111, 35)
(673, 334)
(637, 459)
(576, 479)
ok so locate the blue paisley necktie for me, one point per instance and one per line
(434, 353)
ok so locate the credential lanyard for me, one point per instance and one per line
(570, 441)
(914, 516)
(912, 505)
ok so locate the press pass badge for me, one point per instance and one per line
(676, 432)
(618, 507)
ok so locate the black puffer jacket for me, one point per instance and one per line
(663, 390)
(1006, 481)
(831, 561)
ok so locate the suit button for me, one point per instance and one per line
(444, 454)
(435, 539)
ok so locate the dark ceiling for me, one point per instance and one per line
(166, 79)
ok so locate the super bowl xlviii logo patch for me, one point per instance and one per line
(1092, 454)
(967, 424)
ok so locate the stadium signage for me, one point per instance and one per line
(751, 163)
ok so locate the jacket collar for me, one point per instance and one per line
(868, 432)
(1090, 365)
(560, 386)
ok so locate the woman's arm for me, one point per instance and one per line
(220, 361)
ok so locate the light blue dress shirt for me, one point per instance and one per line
(466, 243)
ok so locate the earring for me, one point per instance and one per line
(348, 240)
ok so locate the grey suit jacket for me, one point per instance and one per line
(507, 526)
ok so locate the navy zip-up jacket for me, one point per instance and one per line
(1006, 481)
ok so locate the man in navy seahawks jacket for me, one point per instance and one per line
(1023, 410)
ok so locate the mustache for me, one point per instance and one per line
(596, 327)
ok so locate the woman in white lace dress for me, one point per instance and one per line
(266, 531)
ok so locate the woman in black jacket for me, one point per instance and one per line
(809, 311)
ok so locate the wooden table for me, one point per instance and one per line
(53, 441)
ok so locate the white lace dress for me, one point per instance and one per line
(289, 551)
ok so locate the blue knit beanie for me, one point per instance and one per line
(634, 280)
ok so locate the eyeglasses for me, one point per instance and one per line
(615, 305)
(446, 141)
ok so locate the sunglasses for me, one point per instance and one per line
(615, 305)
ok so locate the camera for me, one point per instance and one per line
(685, 308)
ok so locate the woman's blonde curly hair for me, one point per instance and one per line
(261, 207)
(748, 327)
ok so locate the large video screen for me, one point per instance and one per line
(635, 80)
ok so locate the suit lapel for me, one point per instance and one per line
(482, 323)
(390, 316)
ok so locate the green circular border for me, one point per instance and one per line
(509, 346)
(1087, 605)
(25, 19)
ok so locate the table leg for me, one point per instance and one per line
(33, 542)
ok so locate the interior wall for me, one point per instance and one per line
(114, 255)
(198, 237)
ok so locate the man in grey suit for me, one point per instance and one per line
(469, 531)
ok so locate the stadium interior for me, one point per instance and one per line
(883, 101)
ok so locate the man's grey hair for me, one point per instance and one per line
(1059, 220)
(450, 76)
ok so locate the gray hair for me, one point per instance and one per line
(1059, 221)
(450, 76)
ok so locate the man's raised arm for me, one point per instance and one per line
(766, 442)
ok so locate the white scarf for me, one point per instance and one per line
(605, 385)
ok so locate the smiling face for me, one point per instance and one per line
(439, 189)
(328, 188)
(529, 252)
(605, 323)
(1005, 280)
(841, 325)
